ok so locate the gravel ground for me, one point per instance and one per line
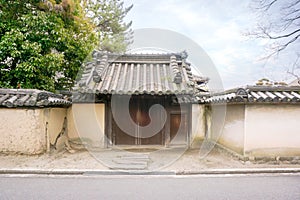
(169, 160)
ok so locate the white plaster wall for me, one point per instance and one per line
(87, 122)
(232, 135)
(198, 124)
(22, 131)
(272, 130)
(215, 117)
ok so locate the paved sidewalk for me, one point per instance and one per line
(109, 161)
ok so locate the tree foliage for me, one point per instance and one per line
(108, 16)
(43, 43)
(267, 82)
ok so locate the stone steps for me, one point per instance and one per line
(130, 162)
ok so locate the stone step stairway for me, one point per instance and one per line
(130, 161)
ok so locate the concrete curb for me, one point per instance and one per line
(242, 171)
(82, 172)
(89, 172)
(42, 172)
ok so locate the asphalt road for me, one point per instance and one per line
(151, 187)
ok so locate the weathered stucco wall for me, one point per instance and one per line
(198, 125)
(232, 136)
(272, 130)
(54, 119)
(86, 121)
(30, 131)
(22, 131)
(263, 130)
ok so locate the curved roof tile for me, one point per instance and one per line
(30, 98)
(154, 74)
(256, 94)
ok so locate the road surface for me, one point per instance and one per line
(151, 187)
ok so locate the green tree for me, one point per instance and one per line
(43, 43)
(108, 16)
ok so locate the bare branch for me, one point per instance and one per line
(279, 48)
(292, 19)
(293, 74)
(284, 46)
(291, 12)
(281, 29)
(281, 36)
(291, 5)
(266, 6)
(295, 66)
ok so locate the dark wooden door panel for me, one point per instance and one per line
(178, 128)
(156, 139)
(120, 137)
(139, 107)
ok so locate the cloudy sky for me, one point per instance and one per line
(218, 26)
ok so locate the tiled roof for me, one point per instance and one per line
(30, 98)
(154, 74)
(256, 94)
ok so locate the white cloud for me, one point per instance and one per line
(216, 26)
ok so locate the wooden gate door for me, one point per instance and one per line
(119, 136)
(178, 128)
(145, 136)
(139, 112)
